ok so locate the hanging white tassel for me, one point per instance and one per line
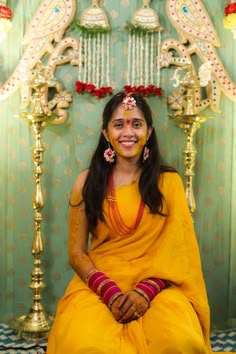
(137, 61)
(134, 59)
(158, 59)
(93, 62)
(89, 59)
(108, 61)
(98, 59)
(147, 67)
(141, 57)
(85, 58)
(129, 57)
(80, 58)
(152, 58)
(102, 61)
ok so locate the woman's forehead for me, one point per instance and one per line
(121, 112)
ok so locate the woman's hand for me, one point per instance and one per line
(129, 306)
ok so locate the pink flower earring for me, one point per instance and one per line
(109, 154)
(145, 153)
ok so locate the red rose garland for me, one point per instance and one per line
(150, 90)
(230, 8)
(5, 12)
(98, 92)
(229, 20)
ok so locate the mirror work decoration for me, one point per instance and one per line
(46, 35)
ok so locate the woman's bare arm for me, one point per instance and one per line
(78, 232)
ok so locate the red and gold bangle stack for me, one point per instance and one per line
(103, 286)
(150, 287)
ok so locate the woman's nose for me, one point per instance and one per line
(128, 130)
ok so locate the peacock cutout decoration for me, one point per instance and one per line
(198, 36)
(44, 36)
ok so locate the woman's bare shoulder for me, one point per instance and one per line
(76, 195)
(81, 178)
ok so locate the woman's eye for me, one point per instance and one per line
(118, 125)
(137, 124)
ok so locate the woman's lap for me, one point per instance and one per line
(85, 326)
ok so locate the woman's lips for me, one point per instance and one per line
(128, 144)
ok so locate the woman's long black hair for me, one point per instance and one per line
(95, 187)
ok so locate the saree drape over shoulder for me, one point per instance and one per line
(163, 247)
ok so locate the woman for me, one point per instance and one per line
(139, 289)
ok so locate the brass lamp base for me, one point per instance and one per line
(33, 327)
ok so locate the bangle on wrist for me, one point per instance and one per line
(150, 287)
(103, 286)
(143, 294)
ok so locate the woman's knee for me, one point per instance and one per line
(175, 342)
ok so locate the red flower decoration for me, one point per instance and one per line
(230, 9)
(5, 12)
(89, 87)
(98, 92)
(150, 90)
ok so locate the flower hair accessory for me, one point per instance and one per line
(129, 102)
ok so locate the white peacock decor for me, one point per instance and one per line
(144, 44)
(94, 53)
(197, 36)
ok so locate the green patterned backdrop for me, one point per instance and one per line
(67, 151)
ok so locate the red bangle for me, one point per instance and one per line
(103, 286)
(150, 287)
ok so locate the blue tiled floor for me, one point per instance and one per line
(222, 341)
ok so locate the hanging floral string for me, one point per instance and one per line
(229, 20)
(94, 52)
(5, 19)
(144, 53)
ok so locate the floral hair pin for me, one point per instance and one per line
(129, 102)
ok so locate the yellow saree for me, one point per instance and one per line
(164, 247)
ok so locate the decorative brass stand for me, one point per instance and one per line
(190, 122)
(37, 323)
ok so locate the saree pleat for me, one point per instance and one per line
(162, 246)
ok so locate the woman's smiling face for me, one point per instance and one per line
(127, 132)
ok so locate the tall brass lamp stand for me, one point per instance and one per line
(190, 122)
(37, 323)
